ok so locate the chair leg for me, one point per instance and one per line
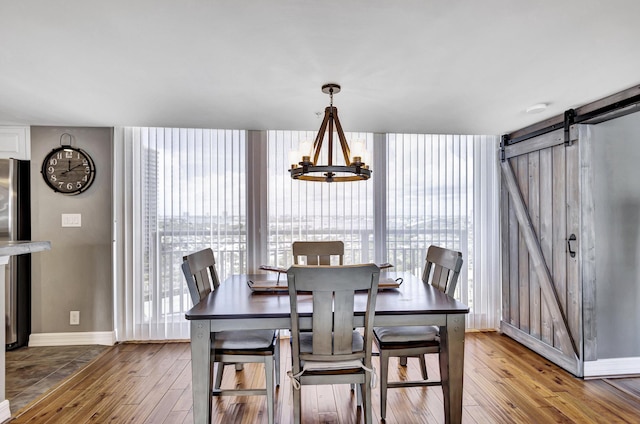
(366, 401)
(277, 362)
(219, 373)
(403, 361)
(359, 394)
(384, 376)
(268, 370)
(423, 367)
(297, 419)
(239, 366)
(212, 371)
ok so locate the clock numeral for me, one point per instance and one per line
(85, 178)
(78, 184)
(59, 155)
(53, 178)
(68, 155)
(51, 170)
(53, 161)
(69, 186)
(87, 170)
(60, 183)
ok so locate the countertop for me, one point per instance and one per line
(10, 248)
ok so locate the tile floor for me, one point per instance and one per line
(32, 371)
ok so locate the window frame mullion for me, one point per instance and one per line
(380, 197)
(257, 200)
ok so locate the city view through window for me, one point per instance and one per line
(195, 197)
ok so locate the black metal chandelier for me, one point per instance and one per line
(309, 170)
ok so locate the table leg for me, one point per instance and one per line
(201, 343)
(452, 367)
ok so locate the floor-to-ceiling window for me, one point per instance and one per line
(181, 190)
(186, 191)
(302, 210)
(429, 185)
(442, 190)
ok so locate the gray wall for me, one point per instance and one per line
(617, 236)
(76, 273)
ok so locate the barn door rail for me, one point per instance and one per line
(614, 106)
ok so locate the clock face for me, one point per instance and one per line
(68, 170)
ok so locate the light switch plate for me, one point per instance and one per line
(71, 220)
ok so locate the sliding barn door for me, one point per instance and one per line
(540, 213)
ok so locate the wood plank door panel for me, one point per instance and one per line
(541, 282)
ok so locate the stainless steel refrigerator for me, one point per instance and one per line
(15, 224)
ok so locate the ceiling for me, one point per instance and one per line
(415, 66)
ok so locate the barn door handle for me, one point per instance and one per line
(572, 237)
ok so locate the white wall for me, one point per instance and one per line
(617, 236)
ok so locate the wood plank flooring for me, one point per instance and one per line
(504, 383)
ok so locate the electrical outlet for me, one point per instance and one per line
(74, 318)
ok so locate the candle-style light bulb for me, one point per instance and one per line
(359, 150)
(294, 158)
(305, 148)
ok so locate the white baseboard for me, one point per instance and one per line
(107, 338)
(5, 411)
(615, 367)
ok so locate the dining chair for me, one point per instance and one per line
(317, 252)
(332, 352)
(441, 270)
(243, 346)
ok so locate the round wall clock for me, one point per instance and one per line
(68, 170)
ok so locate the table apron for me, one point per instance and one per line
(275, 323)
(249, 324)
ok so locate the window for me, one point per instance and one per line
(188, 193)
(428, 197)
(181, 190)
(302, 210)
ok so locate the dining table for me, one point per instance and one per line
(236, 305)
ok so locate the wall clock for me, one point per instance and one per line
(68, 170)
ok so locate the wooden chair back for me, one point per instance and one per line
(332, 289)
(317, 252)
(199, 270)
(442, 268)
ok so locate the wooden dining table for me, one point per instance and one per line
(235, 306)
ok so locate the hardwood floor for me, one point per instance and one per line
(504, 383)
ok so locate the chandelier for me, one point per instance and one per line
(304, 164)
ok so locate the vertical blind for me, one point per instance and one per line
(428, 197)
(186, 191)
(177, 191)
(442, 190)
(302, 210)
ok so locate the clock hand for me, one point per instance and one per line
(70, 169)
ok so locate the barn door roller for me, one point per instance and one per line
(569, 119)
